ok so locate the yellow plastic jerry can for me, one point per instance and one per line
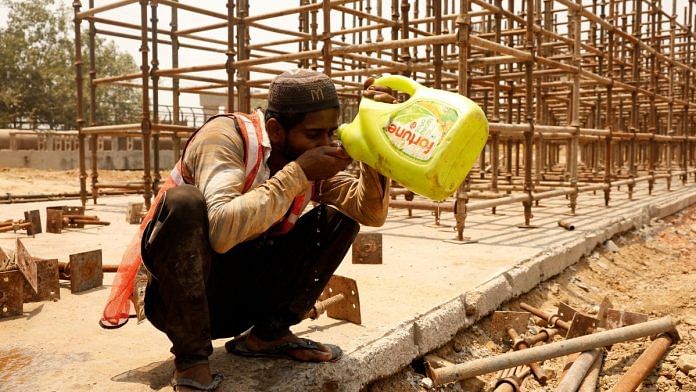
(427, 143)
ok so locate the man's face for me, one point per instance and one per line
(317, 129)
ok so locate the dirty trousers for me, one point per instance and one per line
(195, 295)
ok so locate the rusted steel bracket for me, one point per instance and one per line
(367, 248)
(135, 212)
(340, 300)
(618, 318)
(48, 283)
(27, 266)
(61, 217)
(31, 223)
(85, 271)
(11, 293)
(41, 276)
(580, 323)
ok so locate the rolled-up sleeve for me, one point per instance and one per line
(365, 198)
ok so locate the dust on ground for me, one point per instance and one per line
(651, 270)
(22, 181)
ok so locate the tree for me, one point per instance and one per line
(37, 72)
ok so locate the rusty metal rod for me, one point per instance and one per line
(544, 336)
(576, 374)
(645, 364)
(551, 319)
(589, 384)
(320, 306)
(548, 351)
(535, 367)
(510, 380)
(566, 225)
(64, 268)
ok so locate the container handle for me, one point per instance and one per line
(398, 82)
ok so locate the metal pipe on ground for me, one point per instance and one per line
(551, 319)
(576, 374)
(65, 268)
(566, 225)
(510, 380)
(522, 345)
(548, 351)
(544, 336)
(589, 384)
(647, 361)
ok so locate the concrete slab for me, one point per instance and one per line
(426, 289)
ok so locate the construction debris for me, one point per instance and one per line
(62, 217)
(31, 223)
(135, 212)
(367, 248)
(340, 300)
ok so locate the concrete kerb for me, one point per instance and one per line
(430, 330)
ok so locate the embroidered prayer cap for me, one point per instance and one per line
(301, 91)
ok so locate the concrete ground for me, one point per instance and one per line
(427, 288)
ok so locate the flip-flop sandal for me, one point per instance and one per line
(239, 347)
(187, 382)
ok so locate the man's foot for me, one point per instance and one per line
(288, 346)
(322, 354)
(196, 378)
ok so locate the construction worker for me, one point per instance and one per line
(226, 244)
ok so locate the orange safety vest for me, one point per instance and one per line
(250, 126)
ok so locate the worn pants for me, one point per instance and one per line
(270, 283)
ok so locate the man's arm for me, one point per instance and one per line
(216, 160)
(365, 199)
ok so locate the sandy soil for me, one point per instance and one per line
(20, 181)
(652, 271)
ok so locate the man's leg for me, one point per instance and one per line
(176, 251)
(285, 278)
(304, 261)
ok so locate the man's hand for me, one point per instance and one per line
(378, 93)
(323, 162)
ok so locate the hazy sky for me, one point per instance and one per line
(190, 57)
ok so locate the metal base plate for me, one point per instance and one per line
(618, 318)
(135, 213)
(566, 312)
(349, 308)
(34, 217)
(86, 271)
(74, 210)
(49, 286)
(581, 325)
(27, 266)
(501, 321)
(367, 248)
(11, 290)
(523, 226)
(54, 220)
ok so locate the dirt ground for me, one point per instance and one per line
(651, 270)
(19, 181)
